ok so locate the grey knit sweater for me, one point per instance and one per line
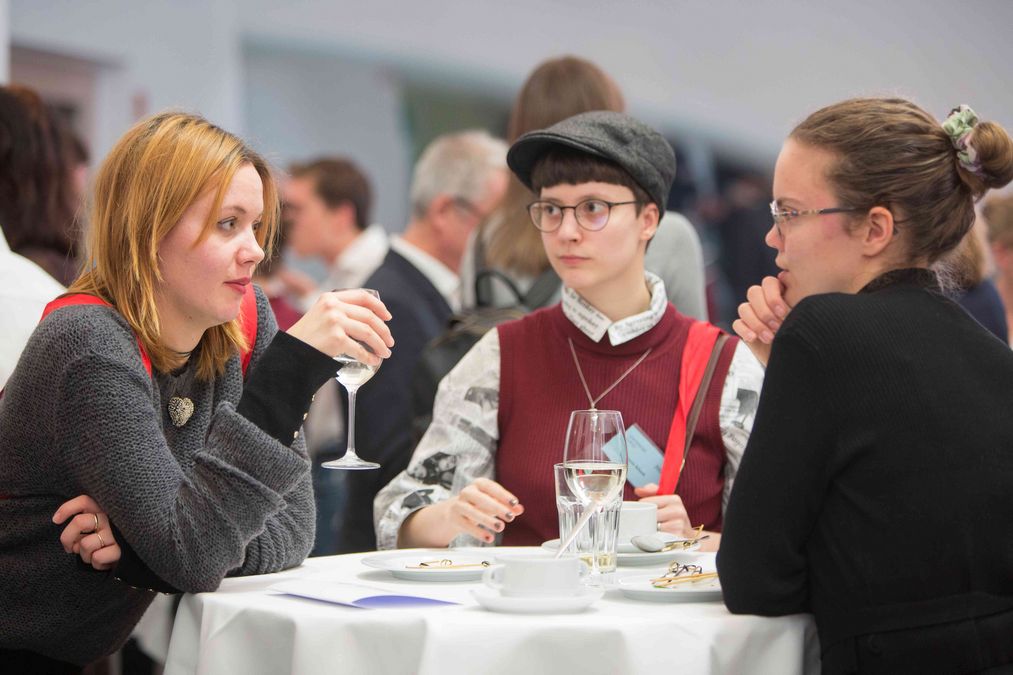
(216, 496)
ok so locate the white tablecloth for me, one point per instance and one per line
(241, 628)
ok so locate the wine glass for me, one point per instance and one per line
(352, 375)
(594, 463)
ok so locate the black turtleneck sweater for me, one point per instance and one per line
(877, 487)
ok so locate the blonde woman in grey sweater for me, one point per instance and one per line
(153, 397)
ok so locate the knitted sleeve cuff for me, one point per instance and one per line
(132, 571)
(281, 385)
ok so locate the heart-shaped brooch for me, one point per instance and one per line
(180, 410)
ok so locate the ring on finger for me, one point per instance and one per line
(101, 544)
(96, 527)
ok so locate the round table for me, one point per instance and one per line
(244, 628)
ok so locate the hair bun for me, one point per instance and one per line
(995, 155)
(984, 150)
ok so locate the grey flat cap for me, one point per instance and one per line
(636, 147)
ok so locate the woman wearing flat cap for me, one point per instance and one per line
(614, 341)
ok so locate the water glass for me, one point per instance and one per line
(598, 538)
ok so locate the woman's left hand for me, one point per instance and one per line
(672, 516)
(88, 533)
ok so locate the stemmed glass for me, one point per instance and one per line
(594, 463)
(352, 375)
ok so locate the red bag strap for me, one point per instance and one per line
(73, 299)
(697, 358)
(247, 320)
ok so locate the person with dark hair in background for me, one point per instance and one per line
(39, 199)
(25, 288)
(875, 491)
(328, 205)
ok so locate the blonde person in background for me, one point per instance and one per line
(559, 88)
(135, 396)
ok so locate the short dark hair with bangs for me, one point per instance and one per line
(562, 165)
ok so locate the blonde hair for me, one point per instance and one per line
(148, 180)
(891, 153)
(557, 89)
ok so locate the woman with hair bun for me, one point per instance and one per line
(876, 490)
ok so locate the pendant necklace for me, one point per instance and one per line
(594, 401)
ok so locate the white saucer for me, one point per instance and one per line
(403, 564)
(638, 559)
(566, 604)
(641, 588)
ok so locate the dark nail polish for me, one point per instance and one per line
(514, 502)
(498, 526)
(508, 516)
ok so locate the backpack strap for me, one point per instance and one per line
(542, 290)
(247, 320)
(699, 361)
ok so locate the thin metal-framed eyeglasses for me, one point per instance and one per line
(591, 214)
(782, 216)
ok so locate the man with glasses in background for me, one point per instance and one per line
(458, 180)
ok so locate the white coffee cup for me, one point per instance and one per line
(534, 574)
(636, 518)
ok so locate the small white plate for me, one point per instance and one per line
(404, 564)
(494, 601)
(641, 588)
(638, 559)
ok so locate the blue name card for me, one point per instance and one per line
(645, 459)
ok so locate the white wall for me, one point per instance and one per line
(738, 73)
(158, 54)
(4, 41)
(741, 72)
(301, 105)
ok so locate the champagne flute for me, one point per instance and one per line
(352, 375)
(594, 463)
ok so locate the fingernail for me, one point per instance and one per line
(498, 526)
(767, 336)
(779, 310)
(774, 325)
(750, 336)
(489, 538)
(514, 502)
(508, 516)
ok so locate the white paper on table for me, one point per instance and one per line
(353, 595)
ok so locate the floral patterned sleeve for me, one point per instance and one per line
(739, 399)
(459, 446)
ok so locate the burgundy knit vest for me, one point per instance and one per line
(539, 387)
